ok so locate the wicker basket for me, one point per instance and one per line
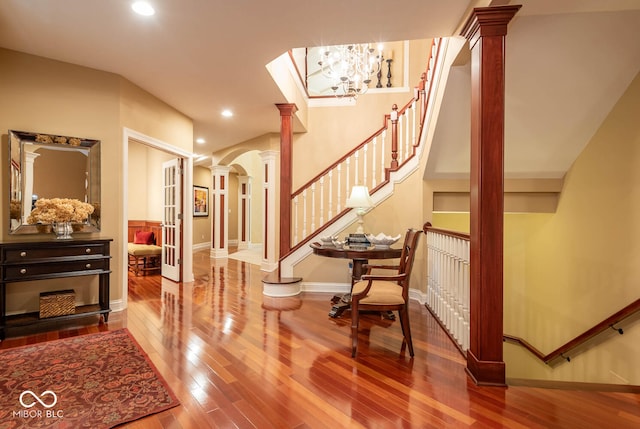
(57, 303)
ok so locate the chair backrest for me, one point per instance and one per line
(407, 256)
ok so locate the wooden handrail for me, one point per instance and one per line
(428, 227)
(422, 94)
(561, 351)
(342, 159)
(376, 133)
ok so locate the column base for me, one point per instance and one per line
(486, 373)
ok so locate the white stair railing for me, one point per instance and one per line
(368, 164)
(448, 282)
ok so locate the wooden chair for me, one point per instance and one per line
(386, 292)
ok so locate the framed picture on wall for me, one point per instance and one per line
(200, 201)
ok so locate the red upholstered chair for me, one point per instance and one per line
(386, 292)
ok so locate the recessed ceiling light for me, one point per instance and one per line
(200, 140)
(143, 8)
(227, 113)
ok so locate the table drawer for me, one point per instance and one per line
(28, 271)
(35, 253)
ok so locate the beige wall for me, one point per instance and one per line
(567, 271)
(333, 131)
(145, 197)
(58, 98)
(144, 113)
(392, 217)
(251, 163)
(138, 195)
(233, 207)
(53, 97)
(202, 224)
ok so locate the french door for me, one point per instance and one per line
(172, 219)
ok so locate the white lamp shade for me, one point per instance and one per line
(359, 198)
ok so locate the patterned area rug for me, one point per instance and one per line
(91, 381)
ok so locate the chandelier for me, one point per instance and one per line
(349, 67)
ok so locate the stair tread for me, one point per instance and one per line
(274, 278)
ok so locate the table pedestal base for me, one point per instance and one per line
(340, 304)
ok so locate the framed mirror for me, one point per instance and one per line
(47, 167)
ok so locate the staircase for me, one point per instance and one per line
(387, 157)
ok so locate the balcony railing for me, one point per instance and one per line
(448, 282)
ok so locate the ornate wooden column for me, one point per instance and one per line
(269, 226)
(286, 145)
(486, 30)
(220, 211)
(244, 212)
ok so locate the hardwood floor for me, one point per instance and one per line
(237, 359)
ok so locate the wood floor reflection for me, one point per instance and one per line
(237, 359)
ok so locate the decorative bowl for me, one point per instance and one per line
(382, 241)
(339, 244)
(328, 241)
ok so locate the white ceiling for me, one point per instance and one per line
(203, 56)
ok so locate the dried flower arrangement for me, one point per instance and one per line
(53, 210)
(48, 138)
(14, 209)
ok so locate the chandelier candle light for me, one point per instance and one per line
(350, 67)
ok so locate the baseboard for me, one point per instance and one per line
(325, 287)
(337, 288)
(268, 266)
(574, 385)
(116, 305)
(201, 246)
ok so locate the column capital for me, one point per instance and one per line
(287, 109)
(488, 21)
(220, 169)
(269, 154)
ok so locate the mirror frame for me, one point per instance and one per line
(17, 160)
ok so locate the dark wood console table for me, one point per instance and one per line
(360, 257)
(51, 259)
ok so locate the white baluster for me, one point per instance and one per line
(400, 143)
(330, 212)
(295, 220)
(346, 177)
(321, 220)
(373, 162)
(405, 131)
(364, 165)
(304, 214)
(382, 155)
(313, 208)
(356, 164)
(466, 295)
(416, 126)
(339, 199)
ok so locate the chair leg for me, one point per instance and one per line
(406, 328)
(355, 321)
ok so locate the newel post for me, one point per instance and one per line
(485, 30)
(422, 97)
(394, 137)
(286, 146)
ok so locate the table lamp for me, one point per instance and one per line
(359, 200)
